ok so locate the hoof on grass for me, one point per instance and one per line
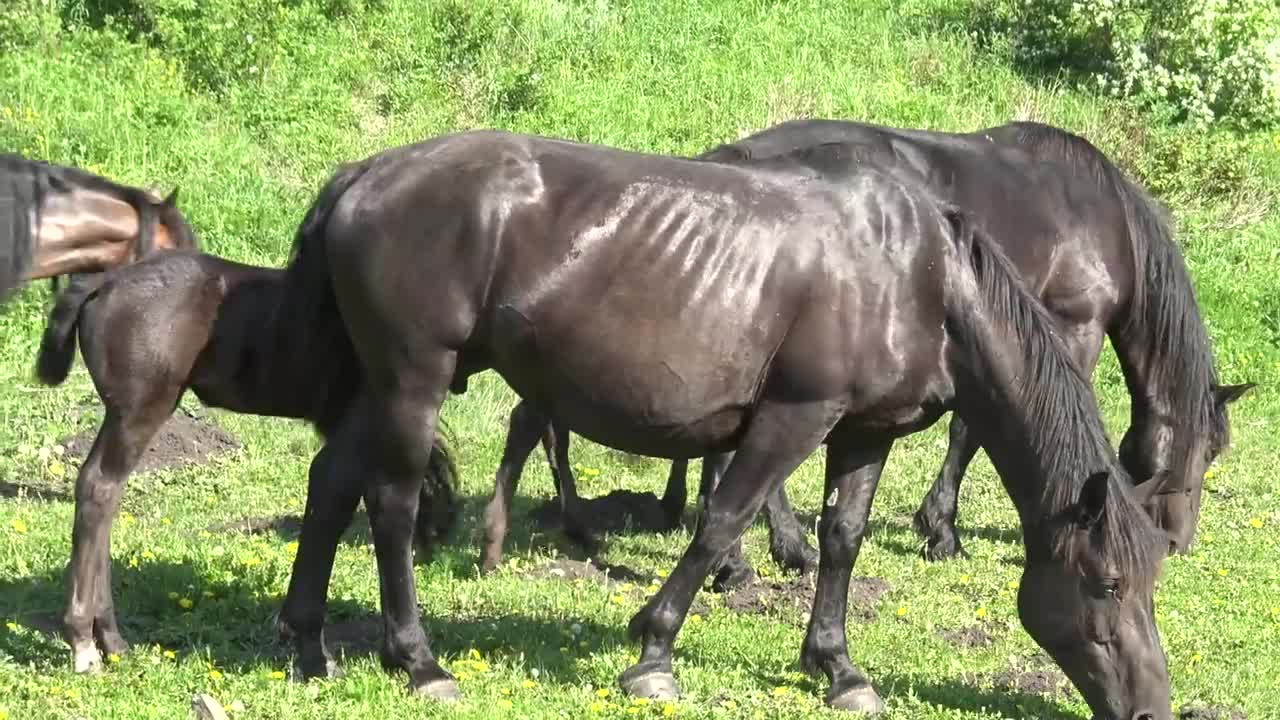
(445, 690)
(858, 700)
(654, 686)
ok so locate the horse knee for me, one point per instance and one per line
(843, 535)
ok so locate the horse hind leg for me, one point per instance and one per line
(333, 491)
(676, 494)
(936, 519)
(527, 426)
(787, 543)
(89, 617)
(556, 444)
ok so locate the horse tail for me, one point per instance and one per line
(311, 331)
(58, 345)
(438, 506)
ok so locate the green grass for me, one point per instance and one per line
(249, 130)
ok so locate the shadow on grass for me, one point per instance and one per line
(234, 625)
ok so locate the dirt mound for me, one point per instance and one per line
(618, 511)
(968, 637)
(183, 440)
(1035, 675)
(1201, 711)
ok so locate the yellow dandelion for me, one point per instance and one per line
(19, 525)
(598, 707)
(148, 555)
(668, 710)
(964, 578)
(780, 691)
(505, 691)
(655, 587)
(662, 574)
(1013, 585)
(617, 599)
(1210, 473)
(527, 684)
(1255, 522)
(215, 675)
(480, 666)
(641, 701)
(982, 613)
(277, 674)
(695, 618)
(166, 521)
(4, 714)
(1196, 658)
(1223, 572)
(13, 626)
(633, 711)
(902, 610)
(506, 704)
(113, 658)
(170, 654)
(186, 603)
(602, 693)
(462, 676)
(127, 518)
(475, 654)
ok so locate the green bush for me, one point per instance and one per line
(1207, 59)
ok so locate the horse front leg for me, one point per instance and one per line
(936, 519)
(852, 475)
(779, 439)
(527, 426)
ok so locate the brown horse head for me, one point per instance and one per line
(57, 220)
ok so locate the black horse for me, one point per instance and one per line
(675, 308)
(1093, 245)
(149, 332)
(58, 220)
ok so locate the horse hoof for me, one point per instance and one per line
(331, 671)
(444, 690)
(654, 686)
(859, 700)
(86, 660)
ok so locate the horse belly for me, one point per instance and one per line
(662, 389)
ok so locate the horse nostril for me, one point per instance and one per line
(1144, 716)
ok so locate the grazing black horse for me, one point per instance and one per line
(675, 308)
(57, 220)
(1093, 245)
(149, 332)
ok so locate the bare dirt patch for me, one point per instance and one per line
(618, 511)
(567, 570)
(1035, 675)
(183, 440)
(969, 638)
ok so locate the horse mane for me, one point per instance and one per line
(19, 197)
(1164, 316)
(1061, 418)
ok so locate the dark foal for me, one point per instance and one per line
(1095, 248)
(57, 220)
(148, 333)
(674, 308)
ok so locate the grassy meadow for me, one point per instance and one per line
(247, 105)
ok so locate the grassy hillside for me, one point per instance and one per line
(247, 105)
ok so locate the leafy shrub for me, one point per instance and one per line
(1208, 59)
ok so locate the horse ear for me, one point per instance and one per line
(1223, 394)
(1093, 499)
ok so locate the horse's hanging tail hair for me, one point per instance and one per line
(310, 330)
(58, 344)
